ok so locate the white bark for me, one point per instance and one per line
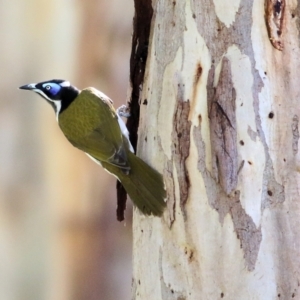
(221, 124)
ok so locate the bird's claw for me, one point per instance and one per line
(123, 111)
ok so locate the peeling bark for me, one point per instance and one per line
(246, 231)
(274, 20)
(223, 129)
(181, 145)
(180, 148)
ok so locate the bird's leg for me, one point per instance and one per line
(123, 111)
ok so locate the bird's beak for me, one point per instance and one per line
(30, 86)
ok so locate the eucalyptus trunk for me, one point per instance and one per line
(219, 119)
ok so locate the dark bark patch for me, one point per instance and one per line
(199, 119)
(121, 201)
(249, 235)
(274, 14)
(180, 150)
(253, 135)
(189, 253)
(246, 231)
(295, 129)
(223, 129)
(169, 182)
(198, 73)
(181, 144)
(139, 53)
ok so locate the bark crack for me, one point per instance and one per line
(139, 53)
(221, 103)
(181, 144)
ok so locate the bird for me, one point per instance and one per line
(90, 123)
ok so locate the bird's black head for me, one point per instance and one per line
(59, 93)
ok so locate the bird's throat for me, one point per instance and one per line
(68, 95)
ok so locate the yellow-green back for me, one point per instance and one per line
(90, 123)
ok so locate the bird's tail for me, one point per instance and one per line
(144, 185)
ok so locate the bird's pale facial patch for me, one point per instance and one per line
(65, 83)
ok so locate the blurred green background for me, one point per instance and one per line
(59, 238)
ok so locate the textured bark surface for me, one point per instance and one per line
(221, 105)
(221, 123)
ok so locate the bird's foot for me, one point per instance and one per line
(123, 111)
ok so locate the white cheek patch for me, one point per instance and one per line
(58, 107)
(42, 94)
(65, 83)
(57, 103)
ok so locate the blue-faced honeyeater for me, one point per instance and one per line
(89, 121)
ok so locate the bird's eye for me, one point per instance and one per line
(47, 87)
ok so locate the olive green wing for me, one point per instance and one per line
(97, 127)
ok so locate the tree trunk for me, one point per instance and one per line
(219, 119)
